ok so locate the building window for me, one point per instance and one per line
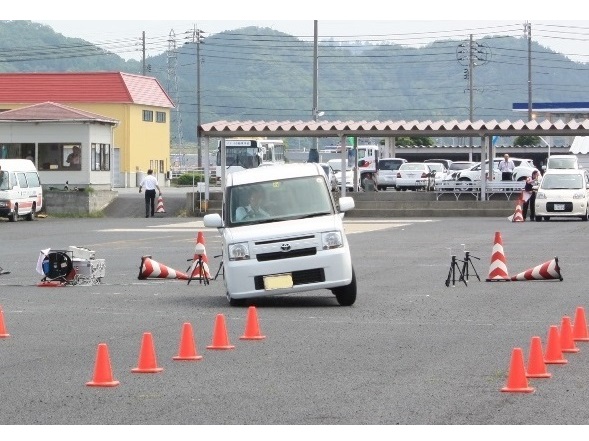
(148, 115)
(100, 155)
(61, 156)
(160, 117)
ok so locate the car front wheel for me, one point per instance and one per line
(346, 295)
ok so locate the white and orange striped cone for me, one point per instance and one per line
(150, 269)
(160, 205)
(518, 215)
(498, 268)
(199, 270)
(547, 271)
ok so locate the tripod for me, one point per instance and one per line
(468, 260)
(220, 267)
(452, 273)
(203, 278)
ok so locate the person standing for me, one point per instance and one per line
(150, 183)
(529, 195)
(506, 168)
(368, 183)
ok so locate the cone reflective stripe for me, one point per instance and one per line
(518, 215)
(547, 271)
(151, 269)
(160, 205)
(196, 271)
(498, 268)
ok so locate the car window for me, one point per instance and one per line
(562, 182)
(389, 165)
(409, 166)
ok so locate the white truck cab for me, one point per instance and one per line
(282, 233)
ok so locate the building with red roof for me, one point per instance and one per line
(141, 139)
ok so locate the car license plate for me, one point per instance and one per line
(278, 281)
(558, 207)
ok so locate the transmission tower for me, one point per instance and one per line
(176, 116)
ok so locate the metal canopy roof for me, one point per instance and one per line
(324, 129)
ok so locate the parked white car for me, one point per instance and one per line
(562, 162)
(414, 176)
(330, 176)
(523, 170)
(386, 174)
(562, 193)
(336, 165)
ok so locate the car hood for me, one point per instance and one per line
(283, 229)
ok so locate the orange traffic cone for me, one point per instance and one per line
(536, 365)
(547, 271)
(187, 351)
(517, 381)
(580, 325)
(220, 336)
(102, 369)
(160, 205)
(199, 270)
(3, 333)
(567, 344)
(147, 361)
(553, 353)
(518, 215)
(252, 327)
(150, 269)
(498, 268)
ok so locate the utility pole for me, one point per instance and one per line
(314, 151)
(528, 32)
(143, 50)
(471, 54)
(198, 38)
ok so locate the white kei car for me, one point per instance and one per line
(562, 193)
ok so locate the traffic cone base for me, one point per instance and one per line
(252, 327)
(220, 336)
(580, 325)
(547, 271)
(147, 360)
(517, 380)
(151, 269)
(187, 350)
(518, 215)
(160, 205)
(553, 353)
(536, 365)
(567, 344)
(3, 333)
(102, 369)
(498, 268)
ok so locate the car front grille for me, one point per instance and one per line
(265, 257)
(315, 275)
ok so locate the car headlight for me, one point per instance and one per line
(541, 195)
(332, 239)
(239, 251)
(579, 195)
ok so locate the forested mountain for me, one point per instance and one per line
(262, 74)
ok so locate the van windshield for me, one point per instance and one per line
(278, 200)
(3, 180)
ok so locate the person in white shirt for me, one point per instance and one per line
(506, 168)
(253, 210)
(150, 183)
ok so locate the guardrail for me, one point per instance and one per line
(459, 188)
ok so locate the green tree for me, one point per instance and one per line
(526, 140)
(414, 140)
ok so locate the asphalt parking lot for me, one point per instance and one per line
(410, 351)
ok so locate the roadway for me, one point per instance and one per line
(410, 351)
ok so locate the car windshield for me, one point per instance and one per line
(562, 182)
(278, 200)
(336, 165)
(3, 180)
(412, 167)
(434, 166)
(561, 162)
(460, 165)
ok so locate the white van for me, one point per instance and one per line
(21, 193)
(293, 241)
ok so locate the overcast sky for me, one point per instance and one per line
(111, 20)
